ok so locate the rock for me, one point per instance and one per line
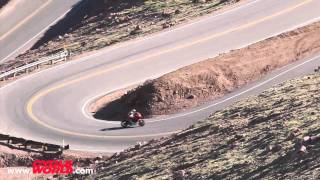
(83, 43)
(98, 157)
(161, 99)
(310, 139)
(138, 146)
(55, 176)
(267, 68)
(98, 29)
(175, 92)
(166, 14)
(165, 25)
(291, 136)
(303, 149)
(180, 174)
(116, 154)
(191, 96)
(137, 28)
(177, 11)
(274, 148)
(297, 130)
(315, 138)
(306, 138)
(239, 136)
(199, 1)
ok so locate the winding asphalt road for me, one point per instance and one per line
(19, 31)
(51, 105)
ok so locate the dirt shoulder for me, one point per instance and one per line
(212, 78)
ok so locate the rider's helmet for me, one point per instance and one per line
(134, 110)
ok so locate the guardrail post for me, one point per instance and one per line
(43, 147)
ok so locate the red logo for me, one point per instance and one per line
(52, 167)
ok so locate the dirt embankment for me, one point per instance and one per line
(270, 136)
(210, 79)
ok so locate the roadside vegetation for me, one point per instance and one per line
(270, 136)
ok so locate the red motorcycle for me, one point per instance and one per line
(133, 120)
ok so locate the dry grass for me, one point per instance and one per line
(256, 138)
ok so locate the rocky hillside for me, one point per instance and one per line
(210, 79)
(270, 136)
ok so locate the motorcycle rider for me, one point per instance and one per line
(131, 113)
(134, 116)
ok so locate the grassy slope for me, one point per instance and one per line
(255, 138)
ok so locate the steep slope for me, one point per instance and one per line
(268, 136)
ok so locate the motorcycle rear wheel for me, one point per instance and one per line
(124, 124)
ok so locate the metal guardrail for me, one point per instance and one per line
(25, 144)
(61, 56)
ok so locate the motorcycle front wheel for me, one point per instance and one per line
(141, 122)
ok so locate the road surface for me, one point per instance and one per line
(19, 31)
(51, 105)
